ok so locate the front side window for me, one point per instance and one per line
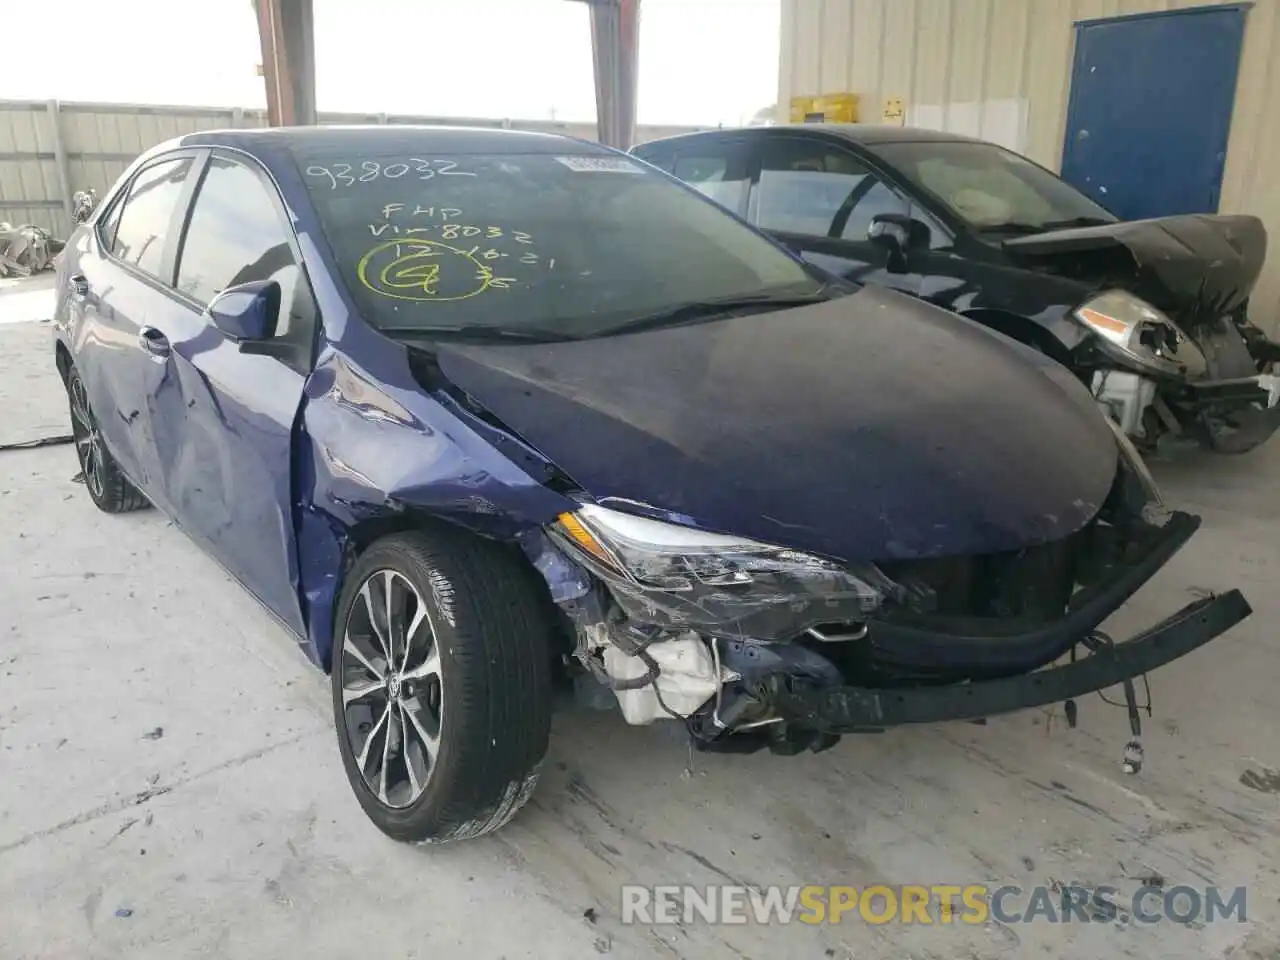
(236, 236)
(992, 188)
(559, 245)
(814, 190)
(147, 214)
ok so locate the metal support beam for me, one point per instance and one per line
(63, 167)
(287, 33)
(615, 46)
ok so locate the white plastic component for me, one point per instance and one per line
(1270, 382)
(686, 679)
(1126, 396)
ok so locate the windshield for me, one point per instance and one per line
(992, 188)
(539, 244)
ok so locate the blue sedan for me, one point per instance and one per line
(481, 416)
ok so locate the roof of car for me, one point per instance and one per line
(867, 134)
(323, 139)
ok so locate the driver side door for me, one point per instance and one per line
(225, 413)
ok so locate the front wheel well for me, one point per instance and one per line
(62, 359)
(361, 536)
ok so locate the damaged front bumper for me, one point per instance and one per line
(848, 709)
(1226, 395)
(954, 638)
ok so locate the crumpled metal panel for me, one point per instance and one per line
(26, 249)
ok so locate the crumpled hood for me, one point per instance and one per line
(1195, 266)
(873, 426)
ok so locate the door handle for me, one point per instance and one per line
(79, 287)
(154, 342)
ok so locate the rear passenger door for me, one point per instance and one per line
(119, 291)
(224, 417)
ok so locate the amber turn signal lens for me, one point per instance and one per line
(571, 525)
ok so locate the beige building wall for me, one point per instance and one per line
(1001, 69)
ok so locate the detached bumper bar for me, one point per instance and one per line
(861, 709)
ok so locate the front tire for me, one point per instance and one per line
(441, 683)
(109, 489)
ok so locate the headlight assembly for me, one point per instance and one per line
(652, 556)
(1141, 334)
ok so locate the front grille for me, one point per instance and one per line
(1033, 584)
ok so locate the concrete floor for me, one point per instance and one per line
(170, 786)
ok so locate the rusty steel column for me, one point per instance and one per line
(287, 33)
(615, 46)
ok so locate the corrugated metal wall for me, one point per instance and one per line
(96, 141)
(1001, 69)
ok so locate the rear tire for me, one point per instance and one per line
(442, 696)
(109, 489)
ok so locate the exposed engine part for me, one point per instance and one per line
(654, 673)
(742, 704)
(1125, 397)
(752, 662)
(686, 678)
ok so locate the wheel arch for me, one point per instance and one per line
(355, 539)
(62, 360)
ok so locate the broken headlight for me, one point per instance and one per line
(658, 556)
(1140, 334)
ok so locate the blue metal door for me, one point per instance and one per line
(1150, 111)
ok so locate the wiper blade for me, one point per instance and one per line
(478, 333)
(1077, 222)
(695, 310)
(1015, 226)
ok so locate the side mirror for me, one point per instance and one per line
(899, 234)
(248, 312)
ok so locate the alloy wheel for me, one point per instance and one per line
(88, 438)
(392, 693)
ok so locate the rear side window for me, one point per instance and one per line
(660, 158)
(235, 236)
(718, 172)
(147, 214)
